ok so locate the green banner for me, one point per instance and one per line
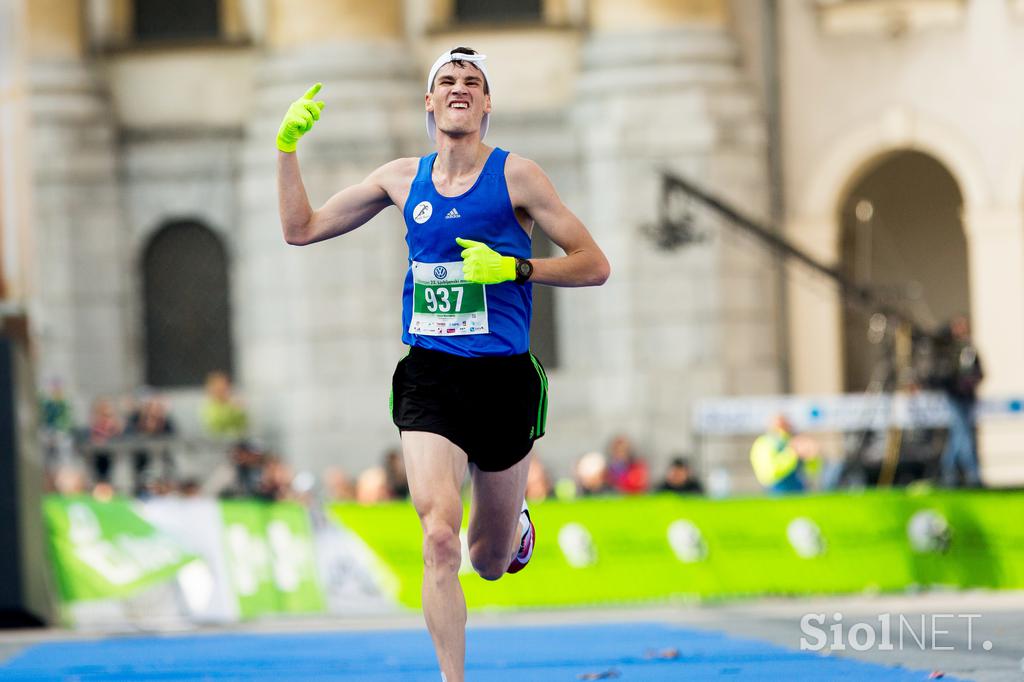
(605, 550)
(270, 558)
(104, 550)
(293, 559)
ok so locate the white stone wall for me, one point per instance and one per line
(856, 87)
(670, 327)
(168, 176)
(319, 327)
(80, 304)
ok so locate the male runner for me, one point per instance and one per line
(469, 395)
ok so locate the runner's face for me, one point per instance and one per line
(458, 100)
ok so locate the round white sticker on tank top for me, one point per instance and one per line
(422, 212)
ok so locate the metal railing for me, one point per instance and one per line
(127, 462)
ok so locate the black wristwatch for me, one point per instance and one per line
(524, 270)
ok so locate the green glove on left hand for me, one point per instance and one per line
(299, 119)
(483, 265)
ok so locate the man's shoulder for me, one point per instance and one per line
(395, 177)
(520, 167)
(525, 178)
(404, 168)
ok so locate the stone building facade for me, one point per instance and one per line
(131, 135)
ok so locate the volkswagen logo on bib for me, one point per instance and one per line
(440, 272)
(422, 212)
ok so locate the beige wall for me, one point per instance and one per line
(15, 172)
(322, 21)
(54, 29)
(849, 98)
(197, 88)
(232, 20)
(110, 21)
(941, 85)
(617, 16)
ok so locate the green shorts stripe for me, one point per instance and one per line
(542, 404)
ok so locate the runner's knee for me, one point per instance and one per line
(441, 546)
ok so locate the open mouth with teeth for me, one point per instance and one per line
(459, 105)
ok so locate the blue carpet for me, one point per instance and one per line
(531, 654)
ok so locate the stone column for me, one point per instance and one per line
(15, 183)
(80, 306)
(318, 328)
(661, 88)
(815, 309)
(996, 251)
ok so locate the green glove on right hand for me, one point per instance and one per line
(299, 119)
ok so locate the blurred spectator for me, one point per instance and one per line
(104, 425)
(627, 472)
(151, 421)
(248, 459)
(337, 485)
(394, 467)
(158, 487)
(538, 483)
(103, 491)
(55, 409)
(592, 474)
(372, 486)
(190, 487)
(780, 458)
(222, 413)
(57, 425)
(275, 479)
(69, 479)
(680, 479)
(958, 375)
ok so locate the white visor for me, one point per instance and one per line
(478, 61)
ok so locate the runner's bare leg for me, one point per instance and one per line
(436, 468)
(494, 528)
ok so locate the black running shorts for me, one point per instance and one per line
(491, 407)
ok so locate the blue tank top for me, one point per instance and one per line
(483, 213)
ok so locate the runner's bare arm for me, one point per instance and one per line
(584, 264)
(343, 212)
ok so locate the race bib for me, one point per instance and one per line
(444, 304)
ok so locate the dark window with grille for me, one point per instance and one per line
(497, 10)
(543, 328)
(187, 310)
(157, 20)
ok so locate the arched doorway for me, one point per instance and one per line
(187, 312)
(902, 236)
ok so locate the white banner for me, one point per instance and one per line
(205, 585)
(353, 578)
(849, 412)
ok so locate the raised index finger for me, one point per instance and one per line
(311, 93)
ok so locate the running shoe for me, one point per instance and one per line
(525, 544)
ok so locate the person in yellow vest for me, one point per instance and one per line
(781, 460)
(223, 415)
